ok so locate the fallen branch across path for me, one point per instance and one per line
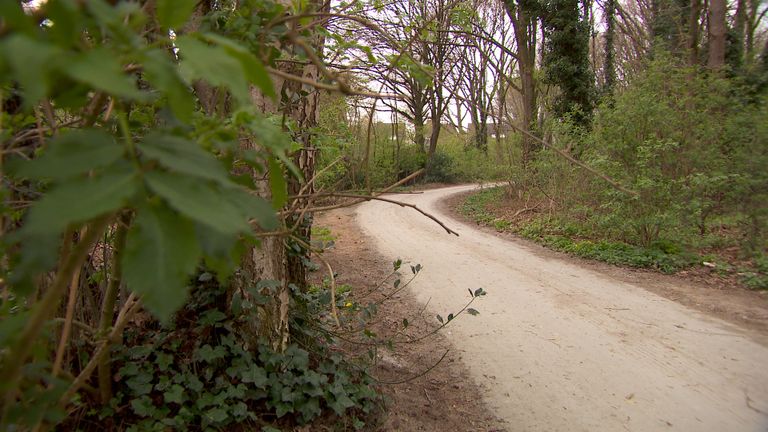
(361, 198)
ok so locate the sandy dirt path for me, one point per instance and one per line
(557, 347)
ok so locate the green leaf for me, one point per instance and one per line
(439, 318)
(72, 154)
(254, 69)
(31, 61)
(216, 415)
(341, 403)
(102, 70)
(80, 200)
(14, 18)
(172, 14)
(161, 252)
(39, 252)
(253, 207)
(214, 65)
(256, 376)
(473, 312)
(183, 156)
(222, 252)
(208, 354)
(143, 406)
(162, 73)
(200, 201)
(277, 184)
(175, 394)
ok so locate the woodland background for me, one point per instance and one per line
(162, 162)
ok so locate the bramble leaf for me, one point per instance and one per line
(163, 75)
(80, 200)
(199, 200)
(172, 14)
(254, 69)
(161, 252)
(30, 61)
(213, 64)
(72, 154)
(184, 156)
(102, 70)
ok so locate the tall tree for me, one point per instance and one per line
(566, 59)
(717, 34)
(524, 15)
(609, 65)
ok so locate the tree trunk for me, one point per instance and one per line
(716, 34)
(270, 266)
(693, 32)
(525, 36)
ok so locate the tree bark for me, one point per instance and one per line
(716, 34)
(525, 28)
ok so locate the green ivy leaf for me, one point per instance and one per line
(80, 200)
(217, 415)
(72, 154)
(172, 14)
(310, 409)
(208, 353)
(143, 406)
(341, 402)
(161, 252)
(256, 376)
(102, 70)
(183, 156)
(175, 394)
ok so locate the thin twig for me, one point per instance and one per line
(391, 201)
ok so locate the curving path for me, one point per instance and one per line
(557, 347)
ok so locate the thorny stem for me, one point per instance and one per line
(131, 306)
(18, 353)
(108, 308)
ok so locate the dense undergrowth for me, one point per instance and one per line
(200, 372)
(487, 207)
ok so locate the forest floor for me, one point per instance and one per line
(445, 398)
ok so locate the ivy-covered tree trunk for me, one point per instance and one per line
(566, 60)
(280, 261)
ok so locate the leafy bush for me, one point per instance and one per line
(439, 169)
(200, 373)
(563, 236)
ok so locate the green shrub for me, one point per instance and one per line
(200, 374)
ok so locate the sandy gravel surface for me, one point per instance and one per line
(560, 347)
